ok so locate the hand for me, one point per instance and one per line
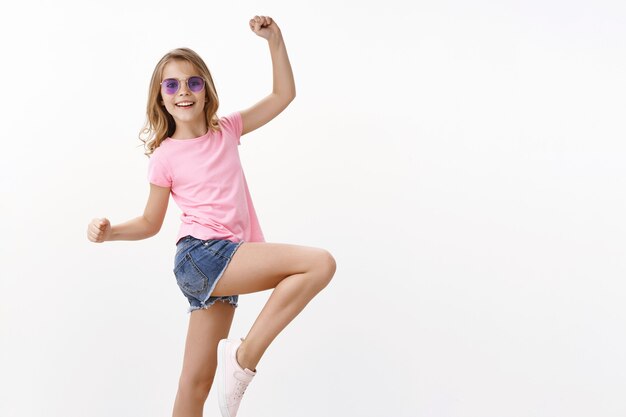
(265, 27)
(99, 230)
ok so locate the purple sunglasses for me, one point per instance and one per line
(172, 85)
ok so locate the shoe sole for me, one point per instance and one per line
(221, 383)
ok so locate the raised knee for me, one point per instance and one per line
(327, 266)
(330, 263)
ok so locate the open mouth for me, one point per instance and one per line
(185, 104)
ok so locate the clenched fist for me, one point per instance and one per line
(99, 230)
(265, 27)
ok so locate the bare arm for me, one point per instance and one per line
(142, 227)
(284, 87)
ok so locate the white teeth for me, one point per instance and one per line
(185, 104)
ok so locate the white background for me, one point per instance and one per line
(463, 161)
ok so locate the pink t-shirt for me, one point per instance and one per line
(208, 184)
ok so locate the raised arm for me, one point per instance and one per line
(284, 87)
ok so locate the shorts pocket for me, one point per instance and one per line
(186, 244)
(189, 277)
(218, 247)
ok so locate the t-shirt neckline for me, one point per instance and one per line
(206, 135)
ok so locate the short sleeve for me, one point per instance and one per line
(158, 173)
(233, 126)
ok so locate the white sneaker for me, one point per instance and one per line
(232, 380)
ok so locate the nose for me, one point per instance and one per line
(183, 89)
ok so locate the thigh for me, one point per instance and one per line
(258, 266)
(206, 328)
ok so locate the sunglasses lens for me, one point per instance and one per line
(195, 84)
(170, 85)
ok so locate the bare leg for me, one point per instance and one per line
(206, 328)
(297, 273)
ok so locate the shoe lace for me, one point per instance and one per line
(240, 389)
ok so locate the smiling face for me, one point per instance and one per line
(185, 106)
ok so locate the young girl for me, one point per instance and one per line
(220, 248)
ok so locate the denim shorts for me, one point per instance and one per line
(198, 266)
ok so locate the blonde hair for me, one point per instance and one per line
(159, 123)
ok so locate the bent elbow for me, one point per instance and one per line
(289, 98)
(151, 228)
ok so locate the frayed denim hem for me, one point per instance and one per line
(208, 304)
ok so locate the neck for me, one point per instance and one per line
(189, 130)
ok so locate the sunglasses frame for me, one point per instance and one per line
(180, 83)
